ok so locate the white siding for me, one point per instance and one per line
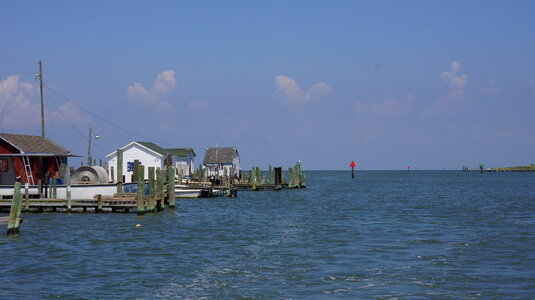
(224, 169)
(132, 152)
(184, 165)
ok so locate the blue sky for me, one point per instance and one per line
(385, 83)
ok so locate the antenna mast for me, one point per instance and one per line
(40, 77)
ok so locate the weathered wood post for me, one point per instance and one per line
(62, 172)
(55, 186)
(171, 186)
(290, 177)
(261, 176)
(68, 187)
(277, 179)
(99, 203)
(14, 214)
(134, 173)
(160, 174)
(112, 173)
(271, 175)
(26, 196)
(40, 188)
(298, 176)
(140, 190)
(295, 176)
(252, 175)
(152, 192)
(119, 171)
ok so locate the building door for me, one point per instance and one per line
(7, 173)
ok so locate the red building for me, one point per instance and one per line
(29, 157)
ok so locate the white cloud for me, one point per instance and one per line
(287, 89)
(164, 84)
(451, 77)
(17, 111)
(20, 107)
(454, 100)
(70, 112)
(447, 104)
(492, 89)
(389, 108)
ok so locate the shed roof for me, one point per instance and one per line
(182, 152)
(221, 155)
(33, 144)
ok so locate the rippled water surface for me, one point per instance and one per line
(385, 234)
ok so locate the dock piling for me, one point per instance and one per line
(68, 192)
(14, 214)
(290, 177)
(152, 192)
(99, 203)
(40, 187)
(160, 174)
(140, 190)
(26, 196)
(277, 178)
(171, 186)
(119, 171)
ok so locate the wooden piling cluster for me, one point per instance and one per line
(255, 179)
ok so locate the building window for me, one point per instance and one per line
(130, 166)
(4, 166)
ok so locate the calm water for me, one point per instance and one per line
(391, 234)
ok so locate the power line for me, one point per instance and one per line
(74, 127)
(106, 121)
(16, 62)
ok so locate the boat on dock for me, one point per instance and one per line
(184, 191)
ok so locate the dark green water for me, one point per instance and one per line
(385, 234)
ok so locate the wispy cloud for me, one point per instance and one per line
(164, 84)
(198, 106)
(455, 81)
(287, 89)
(69, 112)
(389, 108)
(455, 98)
(491, 89)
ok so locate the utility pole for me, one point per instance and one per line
(89, 147)
(40, 77)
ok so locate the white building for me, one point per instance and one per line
(219, 161)
(151, 155)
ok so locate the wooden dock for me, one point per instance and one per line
(116, 203)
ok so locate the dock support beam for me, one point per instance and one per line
(171, 186)
(99, 203)
(160, 175)
(68, 187)
(14, 214)
(26, 196)
(152, 192)
(140, 189)
(119, 171)
(277, 180)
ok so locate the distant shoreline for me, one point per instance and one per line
(530, 168)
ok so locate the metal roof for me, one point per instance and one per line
(221, 155)
(183, 152)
